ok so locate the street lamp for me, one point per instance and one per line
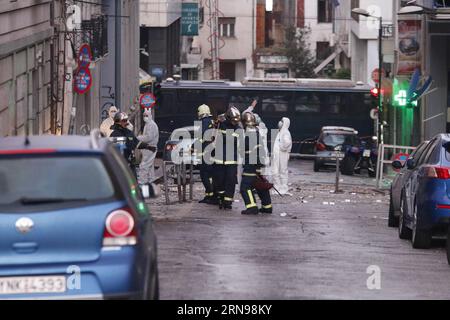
(365, 13)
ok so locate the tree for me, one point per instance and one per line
(298, 52)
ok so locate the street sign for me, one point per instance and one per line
(84, 56)
(189, 19)
(147, 100)
(82, 81)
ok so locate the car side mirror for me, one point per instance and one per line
(410, 164)
(397, 165)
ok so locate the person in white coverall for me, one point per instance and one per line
(150, 136)
(280, 156)
(105, 127)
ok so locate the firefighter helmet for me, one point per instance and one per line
(203, 111)
(233, 115)
(249, 120)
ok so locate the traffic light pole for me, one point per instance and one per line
(380, 78)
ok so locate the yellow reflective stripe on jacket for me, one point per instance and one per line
(249, 174)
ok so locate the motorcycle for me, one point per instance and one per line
(362, 156)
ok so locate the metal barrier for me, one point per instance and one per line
(381, 161)
(181, 178)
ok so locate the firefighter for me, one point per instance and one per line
(253, 162)
(226, 153)
(206, 168)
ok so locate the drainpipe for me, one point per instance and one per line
(53, 114)
(118, 55)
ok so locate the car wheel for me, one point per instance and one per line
(421, 239)
(403, 231)
(392, 220)
(348, 166)
(316, 166)
(152, 292)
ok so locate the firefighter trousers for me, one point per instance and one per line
(225, 181)
(248, 192)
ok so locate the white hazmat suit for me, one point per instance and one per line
(150, 136)
(105, 127)
(280, 156)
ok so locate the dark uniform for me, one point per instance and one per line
(131, 144)
(253, 160)
(206, 169)
(226, 164)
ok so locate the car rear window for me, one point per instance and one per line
(33, 179)
(335, 139)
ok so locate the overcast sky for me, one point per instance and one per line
(269, 5)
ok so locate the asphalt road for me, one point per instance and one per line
(317, 245)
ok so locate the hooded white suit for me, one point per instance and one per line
(280, 157)
(105, 127)
(150, 136)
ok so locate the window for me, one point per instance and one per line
(323, 50)
(70, 179)
(325, 14)
(305, 102)
(226, 27)
(276, 103)
(201, 15)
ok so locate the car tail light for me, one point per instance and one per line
(320, 146)
(436, 173)
(120, 229)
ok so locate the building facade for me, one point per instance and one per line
(160, 37)
(39, 57)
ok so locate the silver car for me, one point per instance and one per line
(329, 139)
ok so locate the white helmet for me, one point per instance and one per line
(203, 111)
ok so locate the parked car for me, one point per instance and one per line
(180, 147)
(361, 156)
(425, 196)
(73, 222)
(329, 139)
(399, 182)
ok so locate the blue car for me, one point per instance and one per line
(425, 196)
(73, 222)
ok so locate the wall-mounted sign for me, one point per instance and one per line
(84, 56)
(82, 80)
(189, 19)
(147, 101)
(409, 46)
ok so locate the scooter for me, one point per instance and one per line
(363, 156)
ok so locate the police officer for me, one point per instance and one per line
(253, 162)
(226, 154)
(120, 130)
(206, 169)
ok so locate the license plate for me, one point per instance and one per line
(21, 285)
(366, 153)
(337, 155)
